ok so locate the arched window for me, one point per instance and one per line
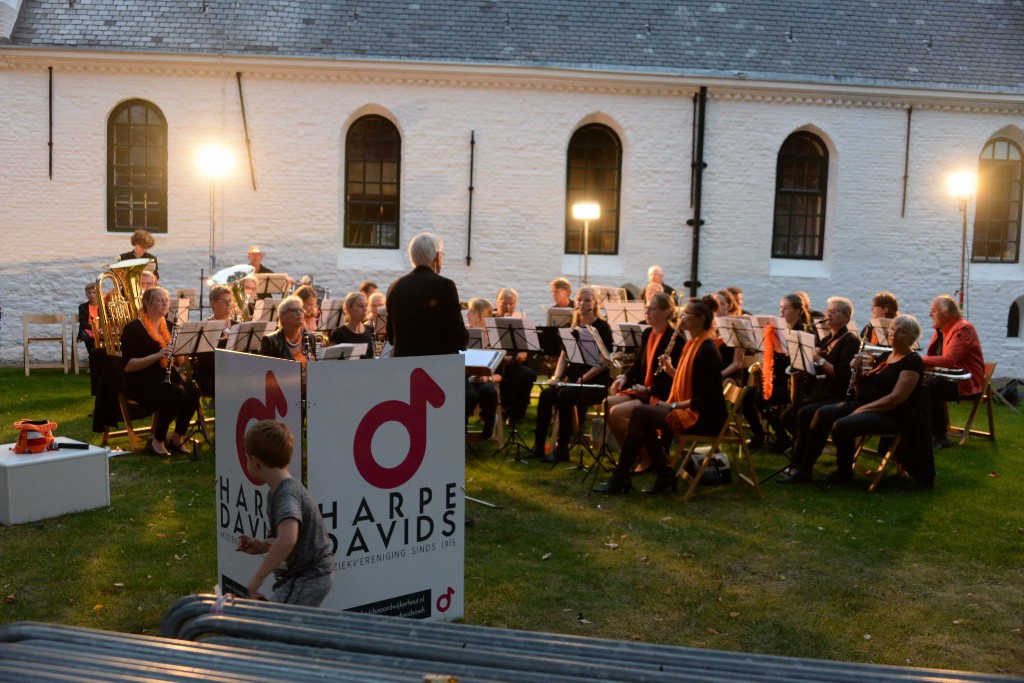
(801, 179)
(997, 219)
(373, 156)
(1013, 319)
(594, 175)
(136, 168)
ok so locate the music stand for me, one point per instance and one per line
(331, 311)
(881, 327)
(583, 347)
(624, 311)
(603, 453)
(265, 310)
(559, 316)
(247, 336)
(737, 332)
(627, 336)
(343, 352)
(269, 284)
(801, 347)
(512, 336)
(192, 339)
(476, 338)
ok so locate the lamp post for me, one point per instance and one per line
(214, 162)
(586, 212)
(963, 186)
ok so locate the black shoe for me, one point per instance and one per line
(940, 443)
(837, 478)
(535, 453)
(615, 485)
(795, 477)
(666, 481)
(560, 455)
(488, 431)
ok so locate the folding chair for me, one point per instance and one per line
(55, 319)
(499, 428)
(985, 397)
(887, 445)
(732, 433)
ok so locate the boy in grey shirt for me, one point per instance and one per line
(299, 550)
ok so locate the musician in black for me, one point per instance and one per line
(146, 350)
(221, 303)
(142, 242)
(644, 382)
(354, 330)
(760, 402)
(883, 405)
(290, 340)
(883, 305)
(481, 391)
(832, 357)
(572, 401)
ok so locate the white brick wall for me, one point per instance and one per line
(55, 240)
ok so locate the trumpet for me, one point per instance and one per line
(949, 374)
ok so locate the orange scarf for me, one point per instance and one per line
(159, 334)
(682, 386)
(768, 361)
(652, 346)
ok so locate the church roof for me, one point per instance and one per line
(955, 44)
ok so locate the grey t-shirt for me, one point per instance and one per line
(311, 555)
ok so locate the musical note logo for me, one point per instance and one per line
(254, 410)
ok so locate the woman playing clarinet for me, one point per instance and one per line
(695, 404)
(591, 384)
(149, 378)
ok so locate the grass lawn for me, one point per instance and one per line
(903, 576)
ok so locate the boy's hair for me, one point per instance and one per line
(270, 442)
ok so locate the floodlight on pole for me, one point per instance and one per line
(586, 212)
(962, 185)
(215, 162)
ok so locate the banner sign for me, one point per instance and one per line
(249, 389)
(386, 443)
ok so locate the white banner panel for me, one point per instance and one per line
(249, 389)
(386, 449)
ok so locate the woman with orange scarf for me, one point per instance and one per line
(146, 351)
(695, 404)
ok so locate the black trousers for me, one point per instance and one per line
(485, 395)
(940, 391)
(516, 384)
(647, 430)
(566, 399)
(174, 402)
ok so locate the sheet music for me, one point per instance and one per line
(559, 316)
(179, 309)
(343, 352)
(605, 293)
(881, 327)
(331, 314)
(801, 351)
(266, 310)
(477, 338)
(482, 362)
(200, 336)
(247, 336)
(511, 334)
(624, 312)
(627, 335)
(584, 346)
(271, 283)
(737, 332)
(758, 323)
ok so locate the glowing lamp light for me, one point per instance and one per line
(962, 185)
(586, 211)
(214, 161)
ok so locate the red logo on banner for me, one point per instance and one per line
(254, 410)
(413, 416)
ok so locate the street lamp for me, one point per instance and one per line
(586, 212)
(215, 162)
(962, 185)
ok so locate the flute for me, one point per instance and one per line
(670, 346)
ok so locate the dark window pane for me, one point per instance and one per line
(800, 183)
(373, 151)
(136, 168)
(997, 217)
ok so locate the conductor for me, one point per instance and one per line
(424, 316)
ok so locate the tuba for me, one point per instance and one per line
(120, 304)
(231, 277)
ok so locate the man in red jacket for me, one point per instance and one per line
(955, 344)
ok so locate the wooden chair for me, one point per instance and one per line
(27, 340)
(732, 433)
(892, 442)
(499, 428)
(985, 397)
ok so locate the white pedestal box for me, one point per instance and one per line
(38, 486)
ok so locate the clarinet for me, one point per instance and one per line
(170, 361)
(308, 349)
(671, 345)
(854, 376)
